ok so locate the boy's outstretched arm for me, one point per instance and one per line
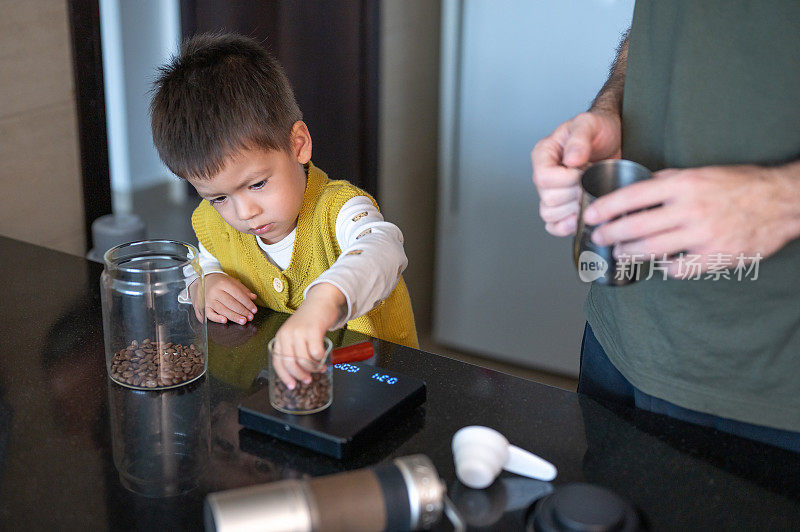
(301, 336)
(365, 273)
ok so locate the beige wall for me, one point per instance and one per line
(408, 145)
(41, 199)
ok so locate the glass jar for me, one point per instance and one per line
(304, 397)
(154, 339)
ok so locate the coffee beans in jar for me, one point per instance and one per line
(304, 398)
(151, 365)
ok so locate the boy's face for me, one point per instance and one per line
(260, 192)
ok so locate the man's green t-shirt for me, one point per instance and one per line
(712, 82)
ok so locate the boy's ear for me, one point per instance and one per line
(301, 142)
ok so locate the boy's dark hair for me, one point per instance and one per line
(222, 94)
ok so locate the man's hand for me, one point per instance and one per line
(299, 341)
(226, 299)
(559, 159)
(728, 210)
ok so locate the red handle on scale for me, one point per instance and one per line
(353, 353)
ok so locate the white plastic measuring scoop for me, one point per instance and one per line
(480, 453)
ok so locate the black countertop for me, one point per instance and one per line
(57, 410)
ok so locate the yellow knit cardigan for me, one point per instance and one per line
(315, 250)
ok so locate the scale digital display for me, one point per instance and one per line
(379, 376)
(364, 396)
(349, 368)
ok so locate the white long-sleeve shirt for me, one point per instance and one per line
(365, 278)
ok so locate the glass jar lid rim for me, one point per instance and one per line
(109, 261)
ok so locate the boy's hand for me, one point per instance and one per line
(299, 340)
(226, 299)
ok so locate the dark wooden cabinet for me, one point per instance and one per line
(87, 59)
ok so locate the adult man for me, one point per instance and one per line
(706, 94)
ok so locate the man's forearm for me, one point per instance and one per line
(609, 99)
(786, 199)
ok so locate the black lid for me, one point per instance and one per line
(583, 508)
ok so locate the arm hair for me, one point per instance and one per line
(609, 99)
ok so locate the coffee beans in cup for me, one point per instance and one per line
(149, 364)
(305, 397)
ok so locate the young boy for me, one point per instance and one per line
(272, 228)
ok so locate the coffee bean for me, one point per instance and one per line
(150, 365)
(304, 397)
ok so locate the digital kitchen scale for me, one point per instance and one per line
(364, 398)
